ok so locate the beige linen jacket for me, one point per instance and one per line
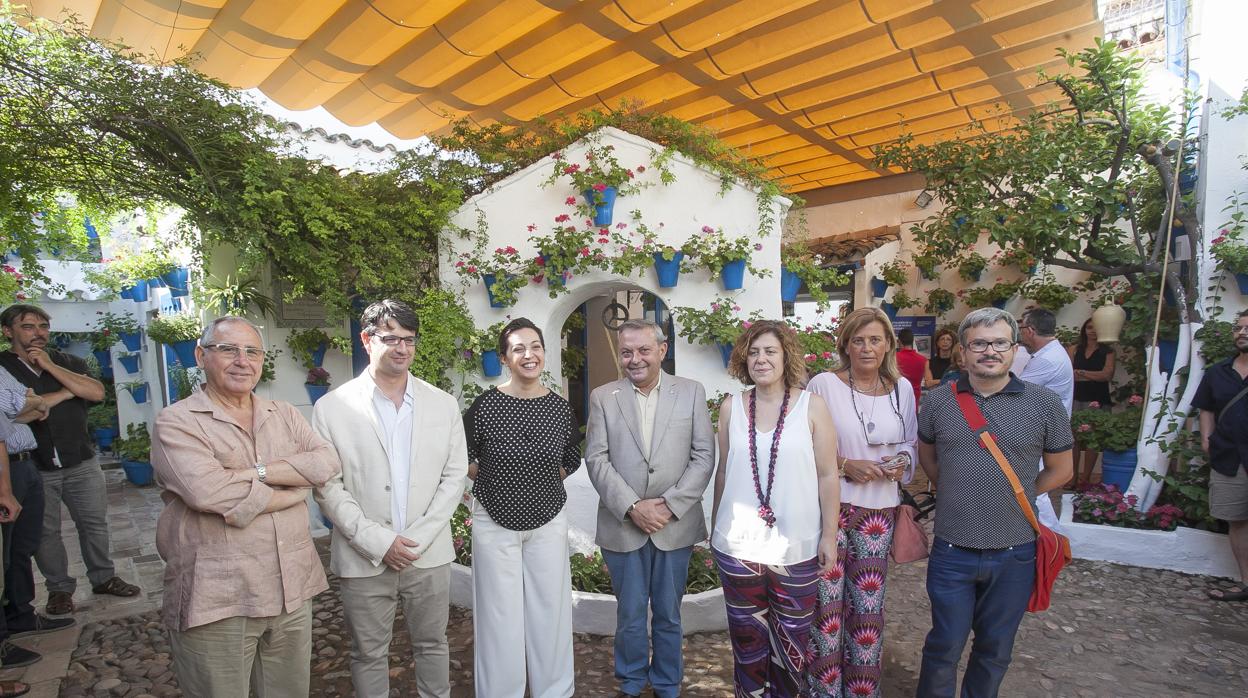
(678, 467)
(357, 501)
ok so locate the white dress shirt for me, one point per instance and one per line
(396, 427)
(1050, 366)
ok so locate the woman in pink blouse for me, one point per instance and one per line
(873, 409)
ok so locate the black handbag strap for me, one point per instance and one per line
(1227, 408)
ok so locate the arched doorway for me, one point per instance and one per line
(589, 340)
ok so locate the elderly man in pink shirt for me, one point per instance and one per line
(240, 566)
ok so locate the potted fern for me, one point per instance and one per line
(179, 332)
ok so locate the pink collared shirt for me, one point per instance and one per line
(223, 556)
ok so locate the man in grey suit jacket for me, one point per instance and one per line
(649, 453)
(404, 462)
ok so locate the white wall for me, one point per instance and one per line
(683, 207)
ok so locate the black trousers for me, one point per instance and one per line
(21, 540)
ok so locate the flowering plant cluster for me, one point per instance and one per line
(894, 273)
(504, 263)
(903, 300)
(317, 376)
(810, 267)
(13, 285)
(981, 296)
(1230, 251)
(600, 170)
(940, 301)
(713, 250)
(109, 328)
(1103, 292)
(719, 325)
(1106, 505)
(971, 266)
(589, 572)
(568, 250)
(818, 344)
(1102, 430)
(1016, 257)
(928, 265)
(1048, 293)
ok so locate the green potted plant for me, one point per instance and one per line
(1017, 257)
(799, 265)
(725, 257)
(940, 301)
(1231, 252)
(902, 300)
(113, 327)
(485, 344)
(308, 346)
(179, 332)
(137, 390)
(135, 452)
(718, 326)
(565, 252)
(1115, 434)
(235, 294)
(600, 179)
(928, 266)
(1048, 293)
(971, 266)
(995, 295)
(502, 271)
(818, 343)
(129, 273)
(102, 421)
(893, 273)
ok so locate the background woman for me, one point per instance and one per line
(776, 509)
(955, 366)
(873, 410)
(1094, 367)
(943, 345)
(522, 442)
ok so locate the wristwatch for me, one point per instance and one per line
(630, 508)
(261, 472)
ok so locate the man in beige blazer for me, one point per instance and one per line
(649, 454)
(401, 443)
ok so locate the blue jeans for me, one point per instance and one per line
(649, 579)
(981, 590)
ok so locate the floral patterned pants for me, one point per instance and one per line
(847, 636)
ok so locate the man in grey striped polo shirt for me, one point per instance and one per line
(983, 560)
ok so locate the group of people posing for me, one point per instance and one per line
(805, 499)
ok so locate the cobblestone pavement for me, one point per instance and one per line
(1113, 631)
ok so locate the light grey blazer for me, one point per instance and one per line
(678, 468)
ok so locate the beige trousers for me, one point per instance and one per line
(369, 605)
(272, 655)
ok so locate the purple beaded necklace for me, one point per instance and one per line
(764, 498)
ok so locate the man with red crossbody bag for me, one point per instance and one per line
(981, 441)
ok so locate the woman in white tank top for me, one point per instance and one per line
(777, 502)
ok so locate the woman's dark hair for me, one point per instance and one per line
(1082, 345)
(520, 323)
(794, 367)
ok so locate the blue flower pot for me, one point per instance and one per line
(133, 341)
(1167, 351)
(139, 474)
(105, 360)
(790, 284)
(725, 352)
(890, 310)
(1242, 280)
(185, 351)
(552, 280)
(130, 363)
(139, 393)
(490, 365)
(733, 274)
(878, 287)
(318, 354)
(999, 304)
(668, 270)
(490, 280)
(604, 211)
(104, 438)
(155, 283)
(177, 280)
(316, 392)
(125, 294)
(1118, 467)
(138, 292)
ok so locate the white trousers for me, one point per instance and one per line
(521, 609)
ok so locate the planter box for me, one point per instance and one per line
(1182, 550)
(595, 613)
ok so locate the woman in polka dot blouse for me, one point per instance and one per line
(522, 442)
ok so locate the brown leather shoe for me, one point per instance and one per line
(116, 586)
(60, 603)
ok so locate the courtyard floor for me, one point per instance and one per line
(1113, 630)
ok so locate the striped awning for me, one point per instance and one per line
(810, 87)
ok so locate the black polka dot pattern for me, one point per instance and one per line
(975, 504)
(519, 445)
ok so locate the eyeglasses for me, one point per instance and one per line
(1239, 329)
(231, 351)
(393, 340)
(980, 346)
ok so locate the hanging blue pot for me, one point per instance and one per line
(490, 280)
(139, 393)
(133, 341)
(1167, 352)
(1187, 180)
(125, 294)
(155, 283)
(552, 280)
(790, 284)
(490, 365)
(604, 211)
(104, 438)
(318, 354)
(138, 473)
(130, 363)
(725, 352)
(668, 269)
(177, 280)
(733, 274)
(890, 310)
(138, 292)
(104, 359)
(1242, 280)
(999, 304)
(316, 392)
(185, 351)
(878, 287)
(1118, 467)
